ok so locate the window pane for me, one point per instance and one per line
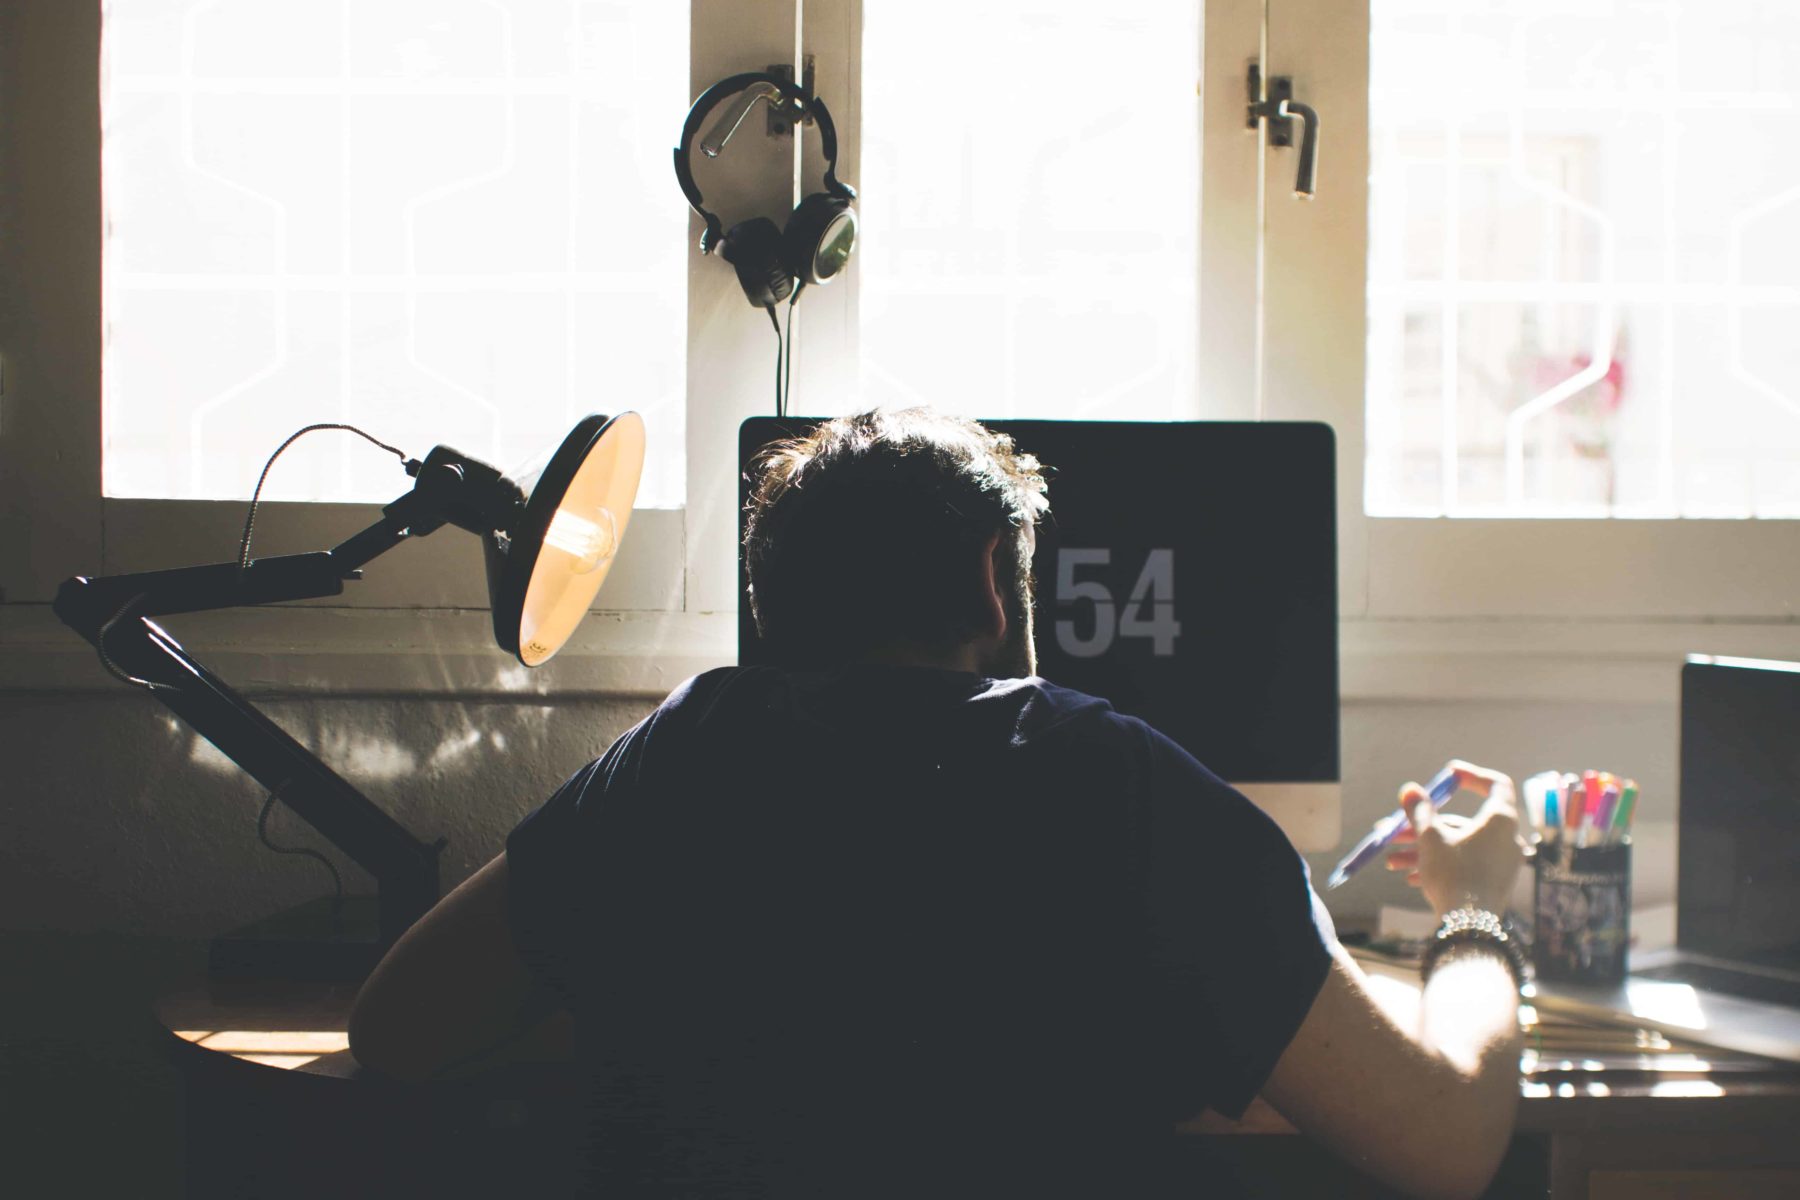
(442, 220)
(1584, 258)
(1030, 207)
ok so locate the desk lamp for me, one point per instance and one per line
(550, 532)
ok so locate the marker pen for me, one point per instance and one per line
(1621, 822)
(1609, 804)
(1536, 788)
(1442, 786)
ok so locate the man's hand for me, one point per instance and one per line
(1457, 861)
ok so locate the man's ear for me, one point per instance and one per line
(990, 606)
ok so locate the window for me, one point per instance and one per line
(1031, 233)
(445, 222)
(1053, 270)
(1584, 263)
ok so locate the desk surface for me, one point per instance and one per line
(1575, 1074)
(1605, 1111)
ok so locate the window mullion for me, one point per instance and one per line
(730, 348)
(825, 323)
(1315, 253)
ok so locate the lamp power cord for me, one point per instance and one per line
(149, 685)
(256, 496)
(337, 880)
(118, 672)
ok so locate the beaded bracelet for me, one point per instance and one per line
(1473, 926)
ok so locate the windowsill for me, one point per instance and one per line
(318, 649)
(1600, 660)
(321, 649)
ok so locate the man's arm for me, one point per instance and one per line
(1430, 1108)
(453, 992)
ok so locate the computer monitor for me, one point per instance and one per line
(1188, 574)
(1738, 899)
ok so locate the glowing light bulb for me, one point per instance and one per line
(590, 539)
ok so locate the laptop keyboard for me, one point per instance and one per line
(1731, 983)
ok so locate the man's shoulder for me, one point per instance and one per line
(694, 698)
(1020, 711)
(1038, 710)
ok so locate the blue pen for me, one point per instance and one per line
(1442, 787)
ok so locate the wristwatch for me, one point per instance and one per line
(1474, 926)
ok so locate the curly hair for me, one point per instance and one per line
(858, 533)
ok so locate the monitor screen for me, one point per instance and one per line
(1739, 873)
(1187, 573)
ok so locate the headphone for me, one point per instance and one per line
(814, 245)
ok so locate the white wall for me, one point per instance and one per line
(116, 818)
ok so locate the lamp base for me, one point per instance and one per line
(304, 944)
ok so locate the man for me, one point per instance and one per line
(898, 918)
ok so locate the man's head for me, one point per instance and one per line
(895, 533)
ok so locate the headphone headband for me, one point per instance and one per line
(731, 86)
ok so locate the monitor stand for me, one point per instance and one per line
(1309, 813)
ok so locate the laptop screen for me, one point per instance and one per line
(1739, 876)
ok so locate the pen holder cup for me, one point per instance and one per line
(1583, 911)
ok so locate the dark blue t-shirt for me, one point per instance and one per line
(894, 931)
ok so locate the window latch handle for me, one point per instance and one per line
(1279, 108)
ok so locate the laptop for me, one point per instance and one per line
(1732, 979)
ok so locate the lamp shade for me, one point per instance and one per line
(544, 571)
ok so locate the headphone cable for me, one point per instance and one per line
(787, 381)
(780, 402)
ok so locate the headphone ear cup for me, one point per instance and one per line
(753, 247)
(819, 237)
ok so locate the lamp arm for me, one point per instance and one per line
(271, 580)
(405, 869)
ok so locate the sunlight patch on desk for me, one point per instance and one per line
(1686, 1087)
(283, 1062)
(280, 1042)
(1660, 1003)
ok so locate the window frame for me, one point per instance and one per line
(1448, 570)
(665, 601)
(1443, 583)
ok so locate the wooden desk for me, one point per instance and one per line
(1613, 1111)
(1606, 1113)
(277, 1107)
